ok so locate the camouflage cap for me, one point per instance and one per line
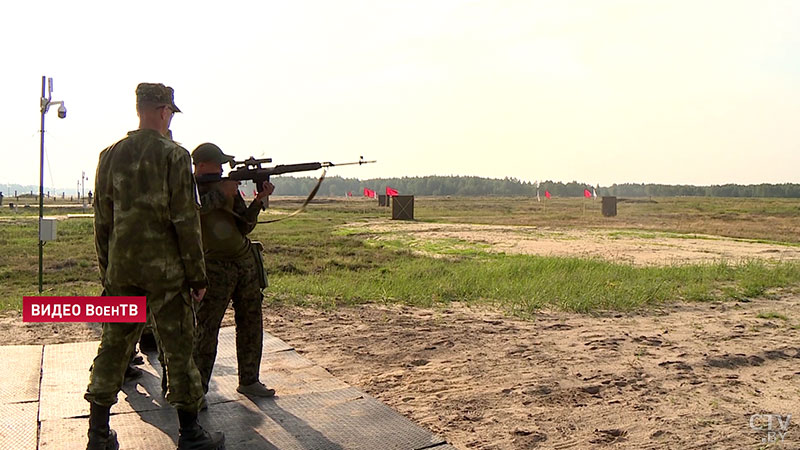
(209, 152)
(156, 93)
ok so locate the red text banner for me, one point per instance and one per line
(84, 309)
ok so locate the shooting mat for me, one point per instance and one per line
(19, 395)
(313, 410)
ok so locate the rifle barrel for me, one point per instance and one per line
(330, 164)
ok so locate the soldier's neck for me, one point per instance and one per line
(147, 125)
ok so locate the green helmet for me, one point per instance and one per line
(209, 152)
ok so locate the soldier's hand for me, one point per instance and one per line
(268, 189)
(197, 294)
(230, 188)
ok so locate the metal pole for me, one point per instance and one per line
(41, 190)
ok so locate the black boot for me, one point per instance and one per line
(132, 373)
(164, 384)
(147, 342)
(101, 437)
(194, 437)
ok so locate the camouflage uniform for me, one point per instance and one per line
(147, 234)
(235, 272)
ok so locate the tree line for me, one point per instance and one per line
(467, 186)
(336, 186)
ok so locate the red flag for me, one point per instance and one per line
(369, 193)
(587, 194)
(547, 194)
(349, 193)
(390, 192)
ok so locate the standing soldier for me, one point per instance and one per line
(147, 234)
(235, 271)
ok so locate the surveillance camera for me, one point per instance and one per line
(62, 111)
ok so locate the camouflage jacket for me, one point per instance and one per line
(146, 215)
(226, 223)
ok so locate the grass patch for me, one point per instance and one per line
(322, 258)
(636, 234)
(433, 248)
(524, 284)
(772, 315)
(69, 262)
(662, 235)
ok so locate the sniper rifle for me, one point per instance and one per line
(250, 169)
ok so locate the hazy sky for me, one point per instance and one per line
(677, 92)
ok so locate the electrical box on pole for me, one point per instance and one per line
(48, 229)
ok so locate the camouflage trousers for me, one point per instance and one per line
(172, 316)
(237, 280)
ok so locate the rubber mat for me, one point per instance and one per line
(65, 376)
(20, 379)
(18, 426)
(227, 343)
(343, 419)
(339, 420)
(285, 371)
(148, 430)
(228, 335)
(312, 409)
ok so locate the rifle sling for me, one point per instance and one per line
(305, 203)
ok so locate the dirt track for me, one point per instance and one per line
(635, 247)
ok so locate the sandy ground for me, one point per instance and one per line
(682, 377)
(688, 376)
(635, 247)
